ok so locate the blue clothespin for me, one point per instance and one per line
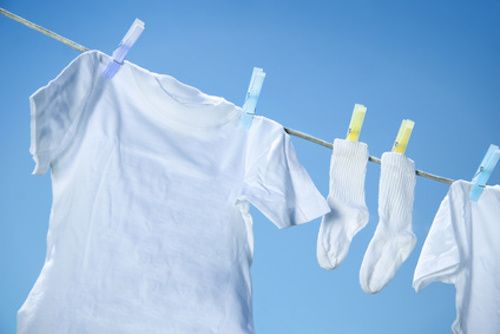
(127, 42)
(252, 96)
(484, 171)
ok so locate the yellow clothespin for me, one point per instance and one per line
(357, 118)
(403, 137)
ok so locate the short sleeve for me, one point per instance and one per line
(56, 107)
(279, 186)
(441, 256)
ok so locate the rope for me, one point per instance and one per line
(292, 132)
(43, 30)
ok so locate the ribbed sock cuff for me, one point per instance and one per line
(396, 190)
(348, 171)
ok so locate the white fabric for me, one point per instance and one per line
(152, 179)
(463, 248)
(346, 198)
(394, 239)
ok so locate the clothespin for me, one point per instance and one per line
(357, 119)
(403, 136)
(126, 43)
(254, 89)
(484, 171)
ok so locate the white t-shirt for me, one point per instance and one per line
(463, 248)
(152, 179)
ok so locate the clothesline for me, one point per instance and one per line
(292, 132)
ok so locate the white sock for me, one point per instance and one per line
(393, 240)
(346, 198)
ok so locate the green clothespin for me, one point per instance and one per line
(403, 136)
(357, 119)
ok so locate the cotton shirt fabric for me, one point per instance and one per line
(152, 179)
(463, 248)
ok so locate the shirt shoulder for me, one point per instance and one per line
(275, 181)
(57, 106)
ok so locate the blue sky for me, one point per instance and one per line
(433, 62)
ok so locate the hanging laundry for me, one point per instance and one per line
(462, 248)
(346, 198)
(394, 239)
(152, 180)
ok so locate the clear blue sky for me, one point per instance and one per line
(436, 62)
